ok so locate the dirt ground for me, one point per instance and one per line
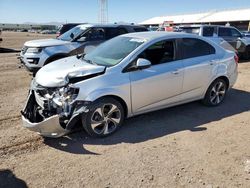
(186, 146)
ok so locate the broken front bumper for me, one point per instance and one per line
(50, 127)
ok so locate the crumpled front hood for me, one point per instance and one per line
(58, 73)
(45, 43)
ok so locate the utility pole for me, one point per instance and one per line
(103, 11)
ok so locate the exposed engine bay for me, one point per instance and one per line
(44, 103)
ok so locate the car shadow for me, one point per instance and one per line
(241, 61)
(9, 180)
(8, 50)
(191, 116)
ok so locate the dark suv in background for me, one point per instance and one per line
(65, 27)
(239, 43)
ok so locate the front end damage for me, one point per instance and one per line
(52, 112)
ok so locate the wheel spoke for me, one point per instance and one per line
(212, 99)
(213, 89)
(222, 92)
(115, 120)
(112, 110)
(100, 111)
(95, 124)
(106, 128)
(217, 99)
(220, 86)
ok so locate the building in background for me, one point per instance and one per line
(239, 18)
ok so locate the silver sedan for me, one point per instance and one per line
(129, 75)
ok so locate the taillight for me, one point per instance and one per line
(236, 58)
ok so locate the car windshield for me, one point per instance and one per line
(73, 33)
(113, 51)
(192, 30)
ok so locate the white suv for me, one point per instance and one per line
(239, 43)
(80, 39)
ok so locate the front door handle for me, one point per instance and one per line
(212, 62)
(175, 72)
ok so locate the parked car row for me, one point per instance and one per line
(127, 75)
(228, 37)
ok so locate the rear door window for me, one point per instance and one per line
(192, 47)
(113, 32)
(95, 34)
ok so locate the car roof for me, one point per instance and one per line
(150, 35)
(73, 24)
(109, 25)
(205, 25)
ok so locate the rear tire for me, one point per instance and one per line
(216, 93)
(246, 54)
(105, 117)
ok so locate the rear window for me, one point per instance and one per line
(208, 31)
(229, 32)
(140, 29)
(192, 30)
(195, 47)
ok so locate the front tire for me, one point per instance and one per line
(105, 117)
(216, 93)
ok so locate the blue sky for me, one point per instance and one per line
(41, 11)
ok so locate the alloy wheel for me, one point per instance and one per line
(217, 93)
(105, 119)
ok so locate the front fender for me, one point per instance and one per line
(62, 49)
(124, 95)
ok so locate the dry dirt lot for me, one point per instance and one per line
(185, 146)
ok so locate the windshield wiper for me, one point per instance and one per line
(89, 61)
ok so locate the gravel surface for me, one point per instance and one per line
(186, 146)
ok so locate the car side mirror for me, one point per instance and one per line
(138, 65)
(143, 63)
(81, 39)
(72, 35)
(79, 56)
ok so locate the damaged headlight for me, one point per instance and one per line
(60, 99)
(65, 95)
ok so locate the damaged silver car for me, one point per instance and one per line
(126, 76)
